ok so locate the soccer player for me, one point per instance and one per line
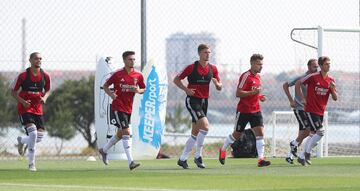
(248, 110)
(319, 86)
(127, 81)
(299, 112)
(31, 90)
(199, 75)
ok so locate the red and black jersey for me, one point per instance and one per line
(247, 82)
(318, 91)
(32, 88)
(123, 83)
(199, 78)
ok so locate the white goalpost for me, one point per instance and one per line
(342, 119)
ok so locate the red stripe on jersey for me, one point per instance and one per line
(246, 74)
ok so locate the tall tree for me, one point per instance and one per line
(61, 125)
(176, 121)
(77, 99)
(8, 113)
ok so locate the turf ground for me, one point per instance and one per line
(327, 174)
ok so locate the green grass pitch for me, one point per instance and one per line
(326, 174)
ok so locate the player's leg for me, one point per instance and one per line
(240, 123)
(203, 126)
(316, 121)
(39, 122)
(127, 148)
(28, 120)
(113, 140)
(126, 138)
(257, 125)
(302, 134)
(23, 141)
(307, 142)
(190, 104)
(188, 146)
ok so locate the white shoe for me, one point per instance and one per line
(32, 168)
(104, 156)
(20, 146)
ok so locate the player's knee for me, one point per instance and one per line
(125, 132)
(203, 123)
(320, 132)
(40, 136)
(119, 134)
(32, 131)
(258, 131)
(194, 131)
(236, 135)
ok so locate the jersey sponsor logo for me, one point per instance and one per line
(126, 87)
(321, 91)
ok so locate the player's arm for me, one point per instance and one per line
(140, 88)
(47, 90)
(216, 79)
(177, 81)
(242, 86)
(288, 94)
(242, 93)
(15, 89)
(15, 94)
(108, 91)
(217, 83)
(45, 97)
(299, 91)
(333, 91)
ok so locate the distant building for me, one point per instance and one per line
(181, 49)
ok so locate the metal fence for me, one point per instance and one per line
(72, 35)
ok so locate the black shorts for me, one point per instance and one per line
(315, 121)
(27, 118)
(302, 119)
(242, 119)
(122, 120)
(197, 107)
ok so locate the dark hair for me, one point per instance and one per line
(32, 55)
(310, 61)
(127, 53)
(322, 59)
(256, 57)
(202, 47)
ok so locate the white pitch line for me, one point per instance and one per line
(92, 187)
(59, 186)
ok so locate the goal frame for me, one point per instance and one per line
(322, 148)
(323, 145)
